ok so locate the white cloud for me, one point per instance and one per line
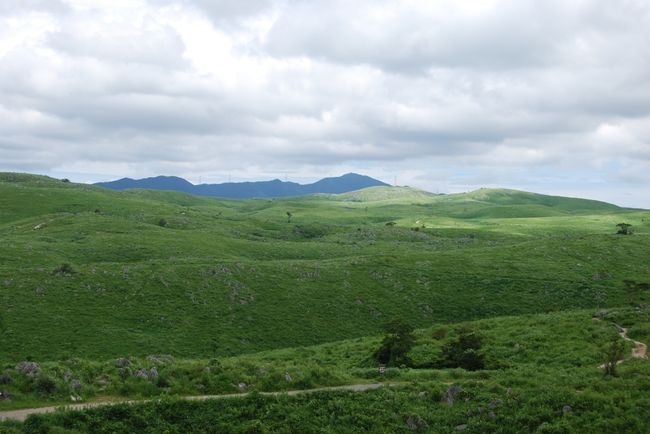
(444, 94)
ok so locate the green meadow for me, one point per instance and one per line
(294, 294)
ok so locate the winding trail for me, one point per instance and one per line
(21, 415)
(640, 350)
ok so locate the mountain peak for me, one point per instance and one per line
(242, 190)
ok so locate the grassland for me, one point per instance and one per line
(536, 366)
(227, 292)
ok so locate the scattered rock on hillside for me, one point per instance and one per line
(5, 396)
(28, 368)
(147, 374)
(601, 314)
(242, 387)
(5, 378)
(462, 427)
(122, 362)
(75, 385)
(288, 377)
(495, 403)
(160, 359)
(67, 376)
(416, 423)
(452, 393)
(567, 410)
(142, 373)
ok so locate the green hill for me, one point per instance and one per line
(163, 272)
(217, 293)
(393, 194)
(515, 197)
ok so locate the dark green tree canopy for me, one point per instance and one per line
(397, 342)
(464, 351)
(624, 229)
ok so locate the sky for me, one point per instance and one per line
(548, 96)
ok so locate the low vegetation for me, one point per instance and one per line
(500, 313)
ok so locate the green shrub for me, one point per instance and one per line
(464, 351)
(64, 270)
(45, 385)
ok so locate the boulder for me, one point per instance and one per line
(75, 385)
(416, 423)
(122, 362)
(28, 368)
(452, 393)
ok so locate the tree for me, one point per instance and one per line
(289, 215)
(613, 355)
(464, 351)
(634, 290)
(624, 229)
(396, 344)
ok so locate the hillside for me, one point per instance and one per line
(294, 293)
(247, 190)
(237, 277)
(541, 374)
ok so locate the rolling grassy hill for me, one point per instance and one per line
(214, 293)
(165, 272)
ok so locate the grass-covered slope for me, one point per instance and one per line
(542, 375)
(159, 272)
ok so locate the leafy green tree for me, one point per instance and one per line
(397, 342)
(624, 229)
(464, 351)
(289, 215)
(613, 355)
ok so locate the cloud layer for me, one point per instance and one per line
(550, 96)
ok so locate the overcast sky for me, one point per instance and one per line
(549, 96)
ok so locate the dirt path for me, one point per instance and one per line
(21, 415)
(640, 350)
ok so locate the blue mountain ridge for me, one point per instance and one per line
(246, 190)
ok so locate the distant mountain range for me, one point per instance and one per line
(243, 190)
